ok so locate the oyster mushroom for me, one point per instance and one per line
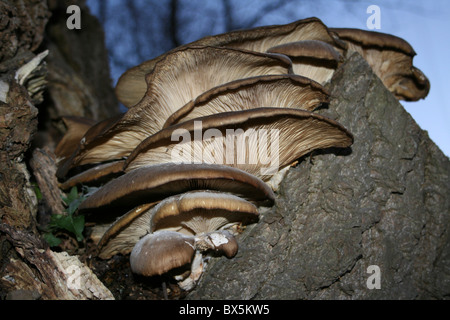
(313, 59)
(76, 128)
(237, 139)
(284, 91)
(390, 57)
(95, 175)
(201, 212)
(199, 218)
(180, 77)
(132, 86)
(157, 182)
(158, 253)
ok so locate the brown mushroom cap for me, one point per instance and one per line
(131, 86)
(125, 232)
(89, 139)
(180, 77)
(313, 59)
(299, 133)
(154, 183)
(284, 91)
(158, 253)
(201, 212)
(390, 57)
(76, 128)
(97, 174)
(367, 38)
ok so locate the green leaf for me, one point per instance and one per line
(51, 239)
(37, 191)
(78, 227)
(72, 196)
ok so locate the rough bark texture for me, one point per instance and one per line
(384, 202)
(28, 268)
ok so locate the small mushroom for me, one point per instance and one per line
(194, 214)
(198, 218)
(160, 252)
(201, 212)
(299, 132)
(132, 86)
(313, 59)
(176, 79)
(390, 57)
(284, 91)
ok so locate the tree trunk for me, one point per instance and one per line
(384, 204)
(28, 268)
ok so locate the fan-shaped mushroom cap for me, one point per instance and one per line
(158, 253)
(131, 86)
(180, 77)
(97, 174)
(313, 59)
(125, 232)
(201, 212)
(154, 183)
(284, 91)
(89, 139)
(299, 132)
(391, 59)
(76, 128)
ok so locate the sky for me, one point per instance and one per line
(424, 24)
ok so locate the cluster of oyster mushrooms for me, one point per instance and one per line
(170, 214)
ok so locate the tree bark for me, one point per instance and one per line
(383, 203)
(28, 268)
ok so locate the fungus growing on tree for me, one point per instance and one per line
(283, 91)
(176, 79)
(132, 86)
(391, 58)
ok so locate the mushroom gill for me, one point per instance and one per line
(176, 79)
(132, 86)
(282, 91)
(259, 141)
(391, 58)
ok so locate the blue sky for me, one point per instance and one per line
(424, 24)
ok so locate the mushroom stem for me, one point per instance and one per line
(197, 267)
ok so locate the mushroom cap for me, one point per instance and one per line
(97, 174)
(299, 133)
(200, 212)
(76, 128)
(160, 252)
(131, 86)
(154, 183)
(314, 59)
(391, 58)
(367, 38)
(315, 49)
(179, 77)
(89, 139)
(285, 91)
(125, 232)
